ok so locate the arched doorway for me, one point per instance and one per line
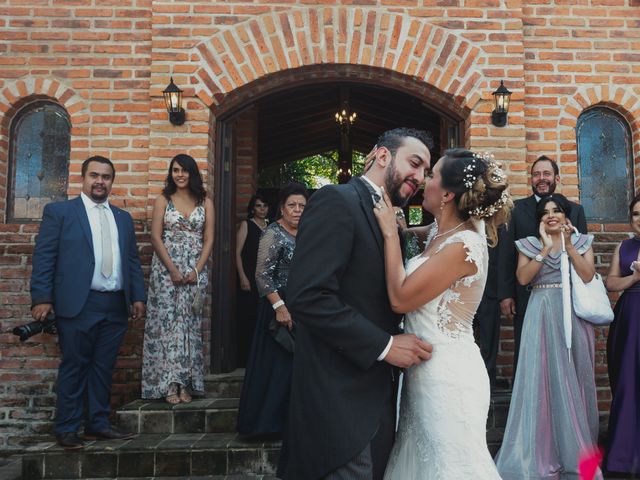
(290, 120)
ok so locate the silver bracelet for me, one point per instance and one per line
(277, 305)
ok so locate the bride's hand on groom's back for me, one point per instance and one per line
(407, 350)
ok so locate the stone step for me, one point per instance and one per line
(194, 477)
(219, 415)
(498, 409)
(156, 455)
(224, 385)
(494, 440)
(202, 415)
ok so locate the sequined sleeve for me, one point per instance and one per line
(275, 252)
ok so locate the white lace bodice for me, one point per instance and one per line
(453, 310)
(445, 400)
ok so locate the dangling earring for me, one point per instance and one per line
(442, 204)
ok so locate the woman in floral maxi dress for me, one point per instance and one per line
(182, 238)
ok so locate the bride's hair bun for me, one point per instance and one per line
(480, 187)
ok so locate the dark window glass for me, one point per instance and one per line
(39, 162)
(605, 165)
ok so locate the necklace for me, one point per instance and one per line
(448, 231)
(261, 225)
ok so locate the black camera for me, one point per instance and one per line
(48, 325)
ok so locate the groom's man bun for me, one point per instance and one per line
(480, 187)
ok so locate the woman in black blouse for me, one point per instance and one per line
(267, 383)
(247, 240)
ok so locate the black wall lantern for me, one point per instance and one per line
(501, 98)
(173, 100)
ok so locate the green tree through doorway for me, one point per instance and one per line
(314, 171)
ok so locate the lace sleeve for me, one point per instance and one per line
(477, 253)
(267, 261)
(459, 303)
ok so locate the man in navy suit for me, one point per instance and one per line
(86, 269)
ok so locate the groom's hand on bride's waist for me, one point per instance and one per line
(407, 350)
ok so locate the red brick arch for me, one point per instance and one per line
(14, 96)
(446, 63)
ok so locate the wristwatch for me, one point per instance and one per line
(538, 258)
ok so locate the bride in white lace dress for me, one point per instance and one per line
(445, 401)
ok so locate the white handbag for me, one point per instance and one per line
(590, 300)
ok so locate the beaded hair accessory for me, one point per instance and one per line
(491, 210)
(496, 175)
(470, 175)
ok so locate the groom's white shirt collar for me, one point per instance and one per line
(375, 187)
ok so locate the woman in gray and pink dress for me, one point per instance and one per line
(553, 416)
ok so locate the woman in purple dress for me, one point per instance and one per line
(623, 353)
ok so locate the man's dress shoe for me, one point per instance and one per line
(109, 434)
(69, 441)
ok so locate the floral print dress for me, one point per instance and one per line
(173, 335)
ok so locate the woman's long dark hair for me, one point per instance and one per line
(560, 200)
(252, 203)
(195, 179)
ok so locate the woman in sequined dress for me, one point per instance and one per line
(265, 393)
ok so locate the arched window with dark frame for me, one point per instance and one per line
(39, 147)
(605, 165)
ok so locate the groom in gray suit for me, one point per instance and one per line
(342, 409)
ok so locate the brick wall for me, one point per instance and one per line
(107, 62)
(94, 61)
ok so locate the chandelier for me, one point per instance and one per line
(345, 117)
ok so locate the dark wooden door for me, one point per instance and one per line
(223, 350)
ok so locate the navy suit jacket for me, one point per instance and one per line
(63, 259)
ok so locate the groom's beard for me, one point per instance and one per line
(393, 184)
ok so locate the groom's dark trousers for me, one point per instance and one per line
(372, 461)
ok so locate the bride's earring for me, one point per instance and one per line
(442, 204)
